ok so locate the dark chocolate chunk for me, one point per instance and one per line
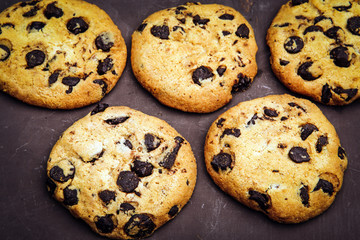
(284, 62)
(221, 161)
(221, 70)
(36, 26)
(307, 130)
(179, 9)
(261, 199)
(127, 181)
(70, 81)
(106, 196)
(341, 152)
(271, 112)
(116, 121)
(53, 11)
(313, 28)
(225, 33)
(170, 158)
(340, 55)
(58, 175)
(128, 144)
(139, 226)
(332, 32)
(77, 25)
(302, 17)
(99, 108)
(70, 197)
(252, 120)
(53, 77)
(105, 66)
(226, 16)
(321, 18)
(125, 207)
(105, 224)
(343, 8)
(353, 25)
(29, 3)
(325, 186)
(202, 73)
(32, 12)
(231, 131)
(298, 2)
(103, 42)
(103, 84)
(200, 21)
(34, 58)
(282, 145)
(4, 54)
(173, 211)
(151, 142)
(322, 141)
(292, 104)
(51, 186)
(299, 154)
(304, 73)
(243, 83)
(219, 123)
(293, 44)
(178, 27)
(326, 94)
(282, 25)
(351, 92)
(304, 195)
(141, 27)
(161, 32)
(142, 169)
(242, 31)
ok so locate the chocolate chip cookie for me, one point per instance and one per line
(194, 57)
(59, 54)
(278, 155)
(121, 171)
(315, 49)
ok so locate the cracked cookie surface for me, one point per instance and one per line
(59, 54)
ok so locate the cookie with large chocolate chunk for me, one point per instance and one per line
(194, 57)
(314, 48)
(59, 54)
(113, 166)
(287, 162)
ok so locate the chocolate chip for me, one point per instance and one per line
(261, 199)
(350, 92)
(179, 9)
(231, 131)
(292, 104)
(173, 211)
(353, 25)
(242, 31)
(282, 25)
(302, 17)
(5, 54)
(326, 94)
(104, 66)
(139, 226)
(36, 26)
(282, 145)
(225, 33)
(53, 11)
(322, 141)
(341, 152)
(58, 175)
(243, 83)
(303, 72)
(71, 82)
(299, 155)
(293, 44)
(34, 58)
(51, 186)
(313, 28)
(221, 161)
(252, 120)
(307, 130)
(200, 21)
(125, 207)
(321, 18)
(170, 158)
(202, 73)
(271, 112)
(298, 2)
(178, 27)
(116, 121)
(325, 186)
(226, 17)
(182, 20)
(104, 224)
(284, 62)
(104, 42)
(106, 196)
(332, 32)
(70, 197)
(161, 32)
(340, 55)
(142, 169)
(221, 70)
(32, 12)
(128, 144)
(99, 108)
(127, 181)
(77, 25)
(29, 3)
(304, 195)
(343, 8)
(219, 123)
(103, 84)
(151, 142)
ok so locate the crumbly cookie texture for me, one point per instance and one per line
(123, 172)
(194, 57)
(60, 54)
(278, 155)
(315, 49)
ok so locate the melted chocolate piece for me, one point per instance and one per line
(325, 186)
(242, 31)
(298, 2)
(70, 81)
(200, 21)
(139, 226)
(77, 25)
(326, 94)
(261, 199)
(299, 155)
(353, 25)
(332, 32)
(179, 9)
(221, 70)
(243, 83)
(141, 27)
(341, 153)
(173, 211)
(142, 169)
(128, 144)
(161, 32)
(32, 12)
(219, 123)
(284, 62)
(107, 196)
(103, 84)
(127, 181)
(321, 142)
(99, 108)
(271, 112)
(170, 158)
(105, 224)
(152, 142)
(313, 28)
(178, 27)
(58, 175)
(293, 44)
(34, 58)
(321, 18)
(252, 120)
(53, 11)
(292, 104)
(125, 207)
(343, 8)
(231, 131)
(221, 161)
(5, 55)
(282, 25)
(225, 33)
(70, 197)
(340, 55)
(104, 66)
(103, 42)
(307, 130)
(36, 26)
(29, 3)
(51, 186)
(116, 121)
(304, 195)
(303, 72)
(226, 17)
(202, 73)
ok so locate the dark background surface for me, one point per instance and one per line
(27, 134)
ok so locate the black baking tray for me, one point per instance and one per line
(27, 134)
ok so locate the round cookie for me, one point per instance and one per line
(278, 155)
(194, 57)
(60, 54)
(123, 172)
(315, 49)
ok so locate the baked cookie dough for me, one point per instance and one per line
(278, 155)
(60, 54)
(123, 172)
(194, 57)
(315, 49)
